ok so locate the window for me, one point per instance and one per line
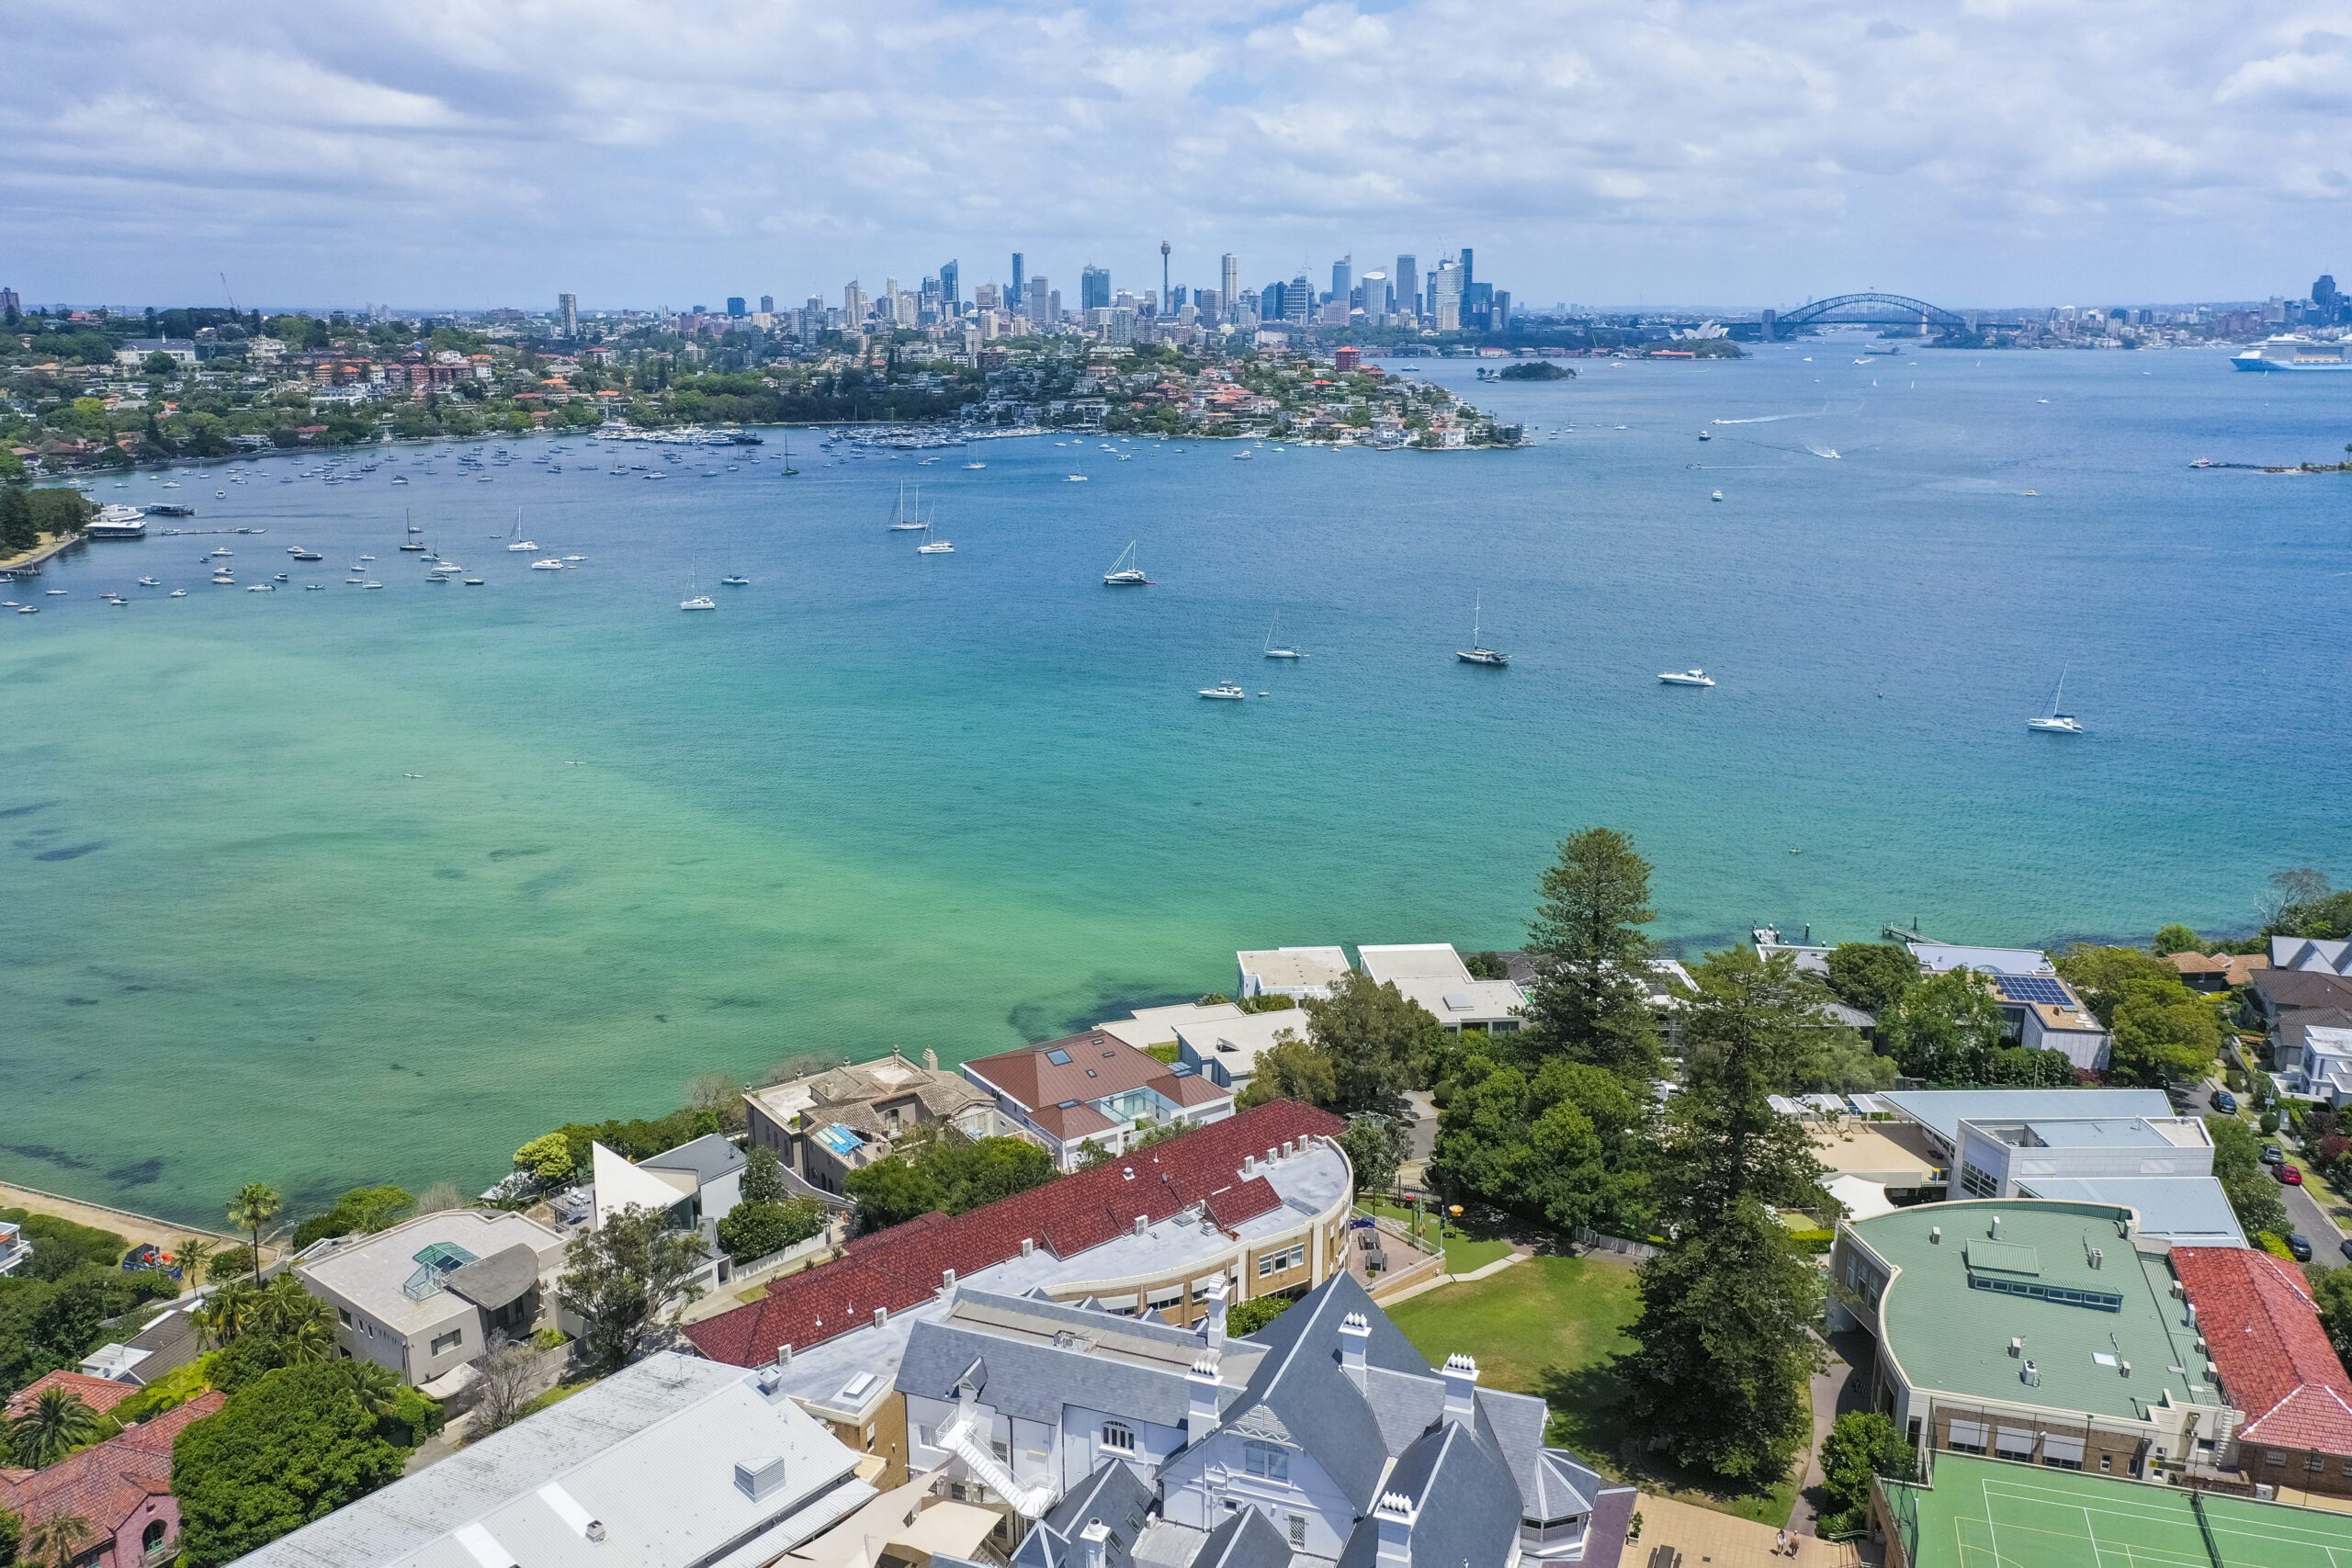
(1058, 1058)
(1119, 1436)
(1297, 1530)
(1267, 1461)
(345, 1314)
(449, 1341)
(2106, 1461)
(1977, 1183)
(2275, 1456)
(153, 1536)
(2315, 1463)
(926, 1434)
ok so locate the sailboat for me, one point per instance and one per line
(415, 544)
(695, 598)
(788, 470)
(906, 524)
(1478, 652)
(931, 546)
(516, 541)
(1275, 647)
(2058, 721)
(1126, 571)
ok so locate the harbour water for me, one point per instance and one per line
(323, 888)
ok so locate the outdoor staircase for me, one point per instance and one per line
(962, 1438)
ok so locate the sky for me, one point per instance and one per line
(473, 152)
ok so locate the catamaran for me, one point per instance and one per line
(1275, 647)
(516, 541)
(1478, 652)
(1126, 571)
(2058, 721)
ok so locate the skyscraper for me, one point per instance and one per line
(1376, 297)
(951, 286)
(1166, 294)
(854, 305)
(1445, 297)
(1230, 285)
(1094, 289)
(735, 309)
(1344, 278)
(767, 304)
(1409, 287)
(1298, 299)
(2324, 295)
(1020, 295)
(1469, 273)
(1041, 302)
(567, 311)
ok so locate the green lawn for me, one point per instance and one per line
(1550, 1327)
(1468, 1245)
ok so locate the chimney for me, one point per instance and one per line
(1394, 1514)
(1355, 1333)
(1091, 1542)
(1995, 1234)
(1212, 1321)
(931, 1059)
(947, 1279)
(784, 1354)
(1200, 1408)
(1460, 1374)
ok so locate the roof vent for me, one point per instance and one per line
(1934, 1235)
(2017, 1346)
(1028, 1246)
(758, 1479)
(771, 1379)
(595, 1531)
(2099, 1256)
(1995, 1234)
(2127, 1368)
(2032, 1375)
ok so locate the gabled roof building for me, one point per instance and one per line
(1094, 1089)
(2277, 1366)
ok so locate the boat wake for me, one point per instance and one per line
(1823, 451)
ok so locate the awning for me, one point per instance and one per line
(2012, 1441)
(1972, 1433)
(2062, 1451)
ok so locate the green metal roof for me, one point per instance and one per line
(2063, 1277)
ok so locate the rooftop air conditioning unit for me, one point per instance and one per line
(2017, 1346)
(1934, 1235)
(2032, 1375)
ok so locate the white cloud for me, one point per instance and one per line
(477, 151)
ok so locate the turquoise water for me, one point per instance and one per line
(956, 802)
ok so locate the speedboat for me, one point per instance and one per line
(1224, 692)
(976, 465)
(314, 588)
(699, 602)
(1717, 495)
(473, 582)
(57, 593)
(550, 564)
(1074, 478)
(151, 582)
(735, 580)
(1685, 678)
(178, 594)
(1707, 435)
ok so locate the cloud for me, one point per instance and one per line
(456, 151)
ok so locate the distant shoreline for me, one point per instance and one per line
(40, 553)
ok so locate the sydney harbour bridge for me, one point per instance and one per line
(1876, 310)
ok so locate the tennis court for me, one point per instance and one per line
(1983, 1513)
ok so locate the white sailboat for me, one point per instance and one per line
(904, 524)
(1126, 571)
(2058, 721)
(1275, 647)
(695, 598)
(516, 541)
(1478, 652)
(931, 546)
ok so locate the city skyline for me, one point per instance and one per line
(1760, 152)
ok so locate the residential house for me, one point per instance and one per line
(2277, 1366)
(1433, 975)
(1259, 1203)
(825, 1124)
(2048, 1333)
(1093, 1093)
(1226, 1051)
(674, 1462)
(2214, 972)
(696, 1185)
(2305, 956)
(167, 1339)
(14, 1247)
(1150, 1028)
(1302, 973)
(134, 352)
(2288, 1002)
(120, 1488)
(1323, 1437)
(430, 1295)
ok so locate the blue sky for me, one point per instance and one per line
(485, 152)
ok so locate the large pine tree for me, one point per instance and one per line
(1589, 1002)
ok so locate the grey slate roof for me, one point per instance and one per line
(507, 1275)
(1300, 1390)
(707, 1158)
(1113, 1493)
(1247, 1540)
(1469, 1504)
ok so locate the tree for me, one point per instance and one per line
(2332, 1291)
(1559, 1143)
(755, 1228)
(2299, 885)
(1944, 1028)
(1839, 1061)
(627, 1282)
(2103, 975)
(721, 1094)
(763, 1177)
(2163, 1031)
(1291, 1069)
(439, 1197)
(255, 1204)
(1247, 1318)
(159, 364)
(18, 532)
(1746, 1035)
(2247, 1182)
(292, 1448)
(58, 1541)
(1871, 976)
(1587, 1002)
(505, 1381)
(891, 1191)
(546, 1159)
(360, 1212)
(1858, 1448)
(12, 1530)
(54, 1425)
(194, 1255)
(1375, 1146)
(985, 1170)
(1379, 1043)
(2178, 938)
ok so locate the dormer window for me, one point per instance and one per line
(1118, 1436)
(1267, 1461)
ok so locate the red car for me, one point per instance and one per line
(2288, 1174)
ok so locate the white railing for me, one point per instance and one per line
(960, 1438)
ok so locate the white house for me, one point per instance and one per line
(1302, 973)
(1433, 975)
(1226, 1051)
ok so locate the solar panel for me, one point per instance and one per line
(2038, 989)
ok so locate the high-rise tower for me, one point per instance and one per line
(1229, 293)
(1165, 308)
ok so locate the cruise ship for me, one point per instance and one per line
(118, 523)
(2290, 352)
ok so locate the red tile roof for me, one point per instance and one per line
(1099, 1066)
(105, 1484)
(901, 1267)
(2275, 1360)
(101, 1394)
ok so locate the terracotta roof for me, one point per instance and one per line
(101, 1394)
(1095, 1065)
(901, 1267)
(2275, 1360)
(105, 1484)
(2238, 969)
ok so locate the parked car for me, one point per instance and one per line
(2225, 1103)
(2288, 1174)
(2272, 1154)
(2298, 1247)
(2345, 1246)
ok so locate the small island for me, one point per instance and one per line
(1535, 370)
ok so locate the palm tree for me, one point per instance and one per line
(229, 1313)
(58, 1541)
(374, 1384)
(283, 1305)
(255, 1204)
(56, 1425)
(194, 1255)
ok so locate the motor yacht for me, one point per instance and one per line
(1224, 692)
(1685, 678)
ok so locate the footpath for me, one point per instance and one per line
(133, 1228)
